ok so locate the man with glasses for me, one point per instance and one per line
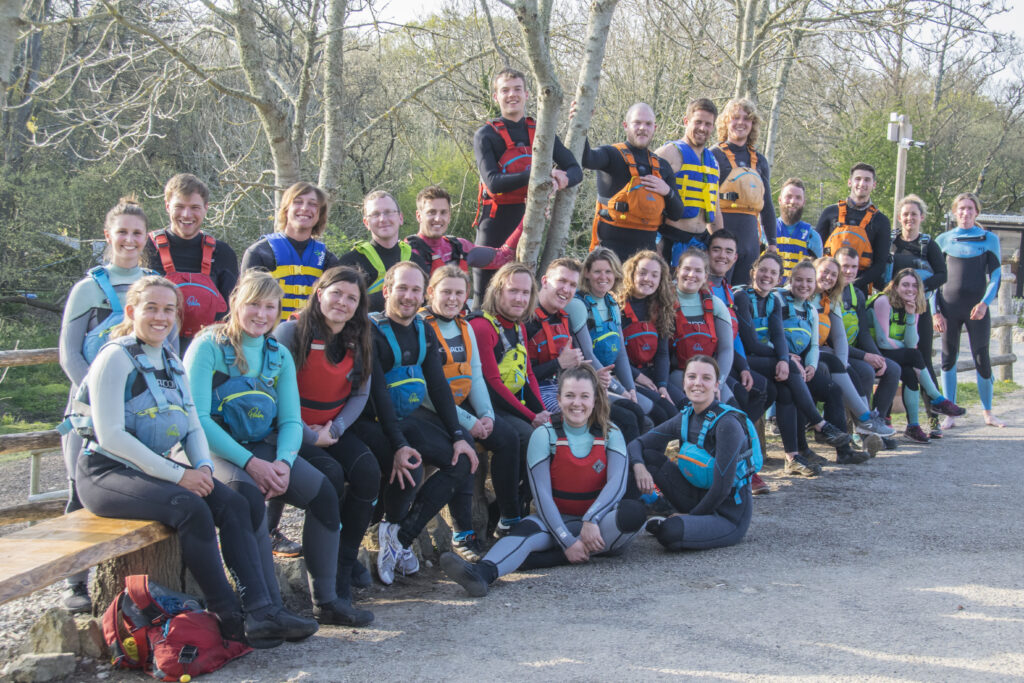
(374, 256)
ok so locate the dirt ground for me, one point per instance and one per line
(908, 567)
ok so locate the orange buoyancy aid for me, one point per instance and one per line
(576, 482)
(458, 369)
(850, 235)
(633, 206)
(696, 336)
(742, 191)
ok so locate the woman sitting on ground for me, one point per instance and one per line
(713, 500)
(577, 466)
(141, 409)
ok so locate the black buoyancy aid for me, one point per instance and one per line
(576, 482)
(324, 387)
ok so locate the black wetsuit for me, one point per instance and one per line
(745, 226)
(388, 257)
(908, 255)
(488, 147)
(879, 236)
(613, 174)
(711, 517)
(432, 434)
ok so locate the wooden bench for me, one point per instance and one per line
(42, 554)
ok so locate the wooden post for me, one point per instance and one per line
(1004, 334)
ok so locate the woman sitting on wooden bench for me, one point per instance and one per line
(141, 409)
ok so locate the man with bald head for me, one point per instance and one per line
(633, 195)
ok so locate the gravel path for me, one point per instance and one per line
(906, 568)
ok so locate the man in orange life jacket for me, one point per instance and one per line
(437, 248)
(858, 224)
(503, 148)
(633, 192)
(696, 181)
(183, 248)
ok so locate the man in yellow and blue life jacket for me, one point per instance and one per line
(796, 238)
(373, 257)
(696, 181)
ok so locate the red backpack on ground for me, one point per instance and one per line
(164, 633)
(202, 300)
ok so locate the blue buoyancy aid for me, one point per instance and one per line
(406, 383)
(605, 335)
(798, 321)
(698, 465)
(296, 273)
(697, 182)
(155, 413)
(247, 406)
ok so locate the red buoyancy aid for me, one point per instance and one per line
(515, 159)
(551, 338)
(641, 337)
(576, 482)
(696, 337)
(435, 260)
(458, 373)
(200, 296)
(324, 388)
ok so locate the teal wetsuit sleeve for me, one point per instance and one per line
(538, 459)
(202, 359)
(197, 450)
(995, 272)
(479, 397)
(618, 474)
(910, 336)
(289, 415)
(107, 381)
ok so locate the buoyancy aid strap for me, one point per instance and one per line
(101, 276)
(209, 244)
(732, 157)
(163, 248)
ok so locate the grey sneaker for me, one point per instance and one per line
(390, 548)
(407, 562)
(834, 436)
(874, 425)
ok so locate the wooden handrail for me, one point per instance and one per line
(17, 357)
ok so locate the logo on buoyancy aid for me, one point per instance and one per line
(192, 301)
(255, 413)
(173, 431)
(599, 466)
(414, 398)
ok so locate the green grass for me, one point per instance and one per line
(967, 392)
(32, 393)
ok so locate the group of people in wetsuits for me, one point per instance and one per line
(608, 395)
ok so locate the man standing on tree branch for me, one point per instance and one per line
(503, 148)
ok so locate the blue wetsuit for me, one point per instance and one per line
(973, 275)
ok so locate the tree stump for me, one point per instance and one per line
(162, 561)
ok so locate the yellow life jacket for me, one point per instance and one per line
(512, 364)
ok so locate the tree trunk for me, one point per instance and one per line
(535, 21)
(334, 123)
(162, 561)
(10, 21)
(601, 12)
(778, 96)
